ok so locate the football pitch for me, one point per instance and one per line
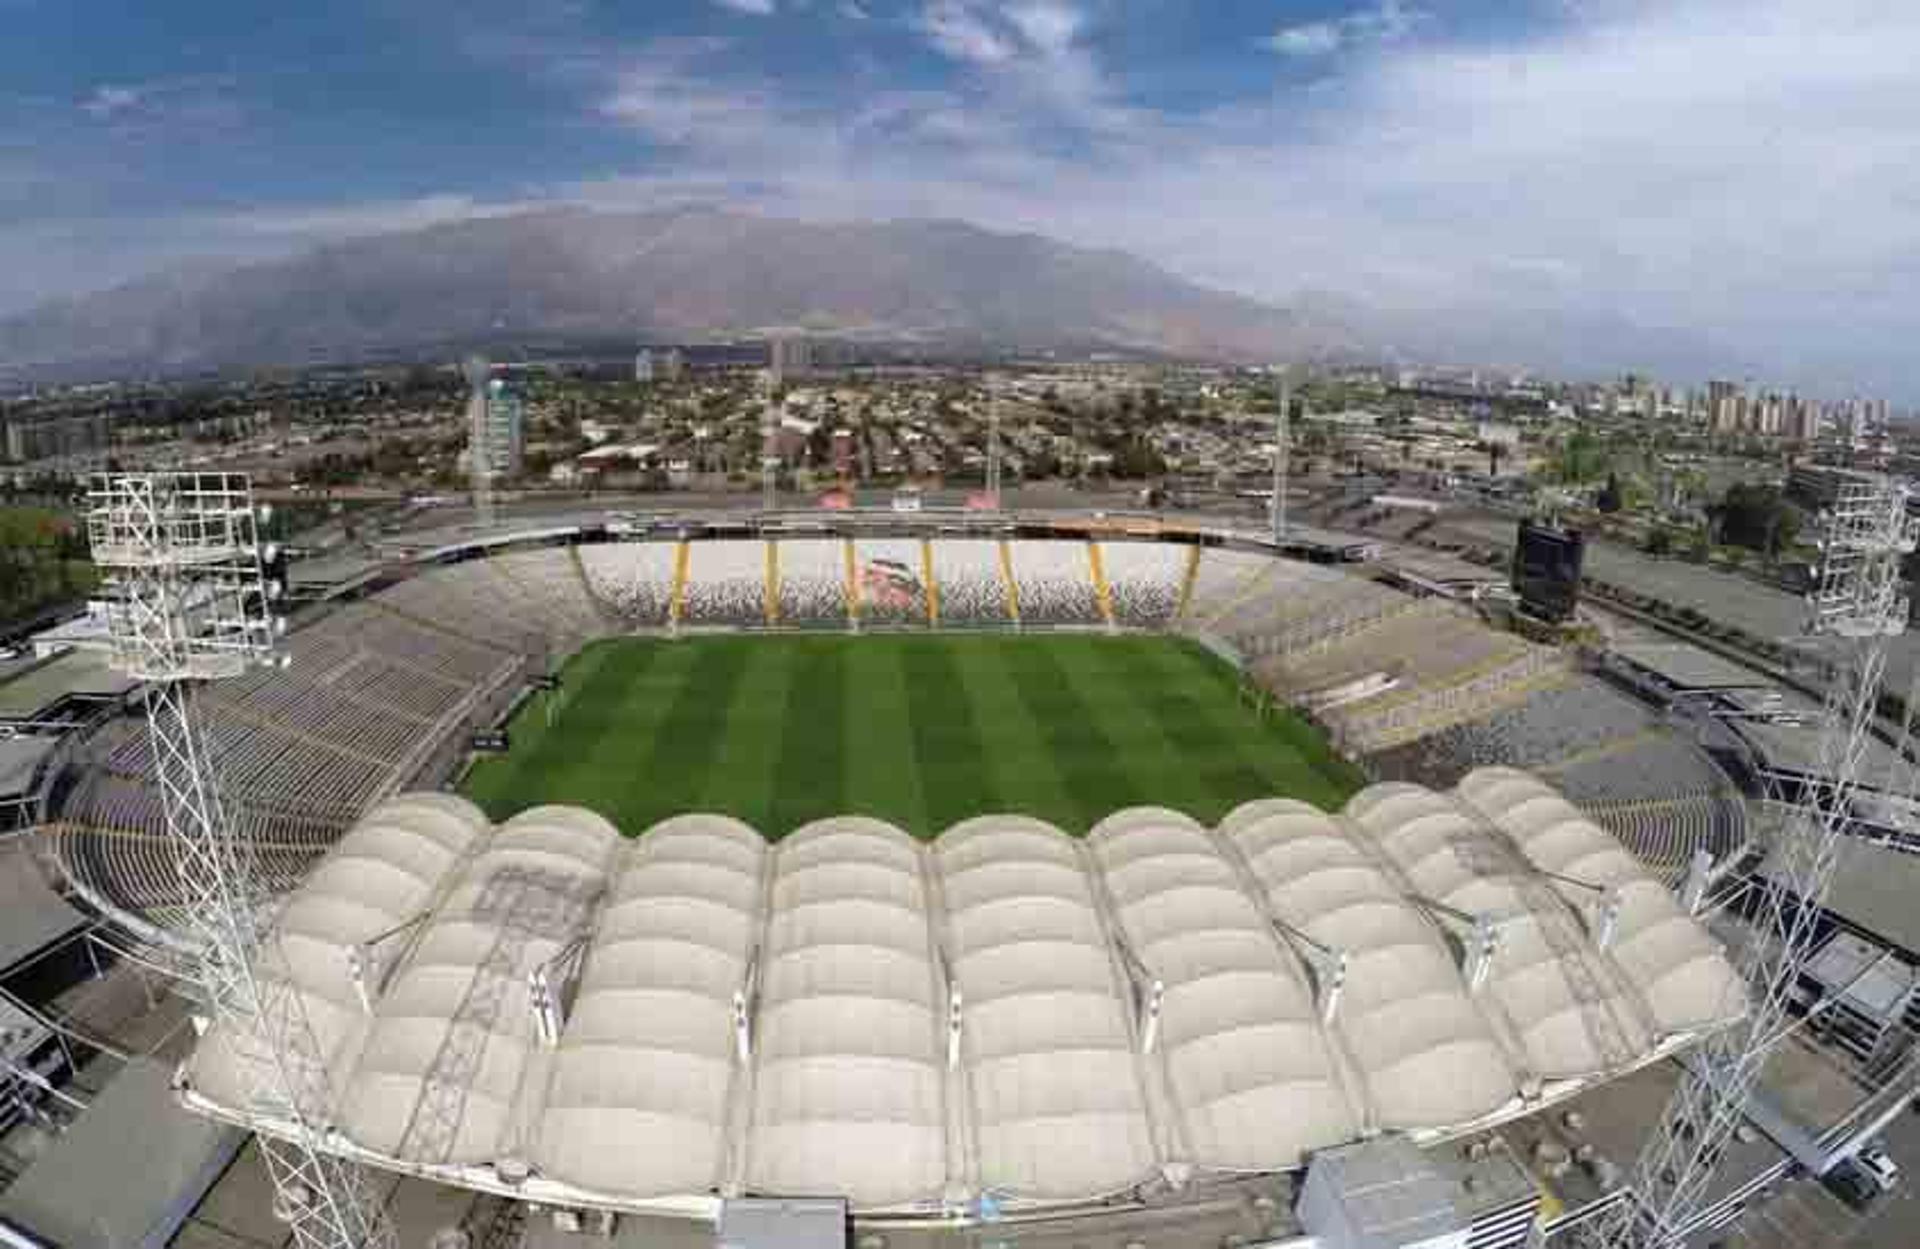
(921, 730)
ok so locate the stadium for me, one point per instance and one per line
(962, 868)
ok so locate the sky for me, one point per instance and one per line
(1745, 171)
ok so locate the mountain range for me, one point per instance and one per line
(564, 279)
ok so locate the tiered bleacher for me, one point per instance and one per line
(1649, 785)
(632, 580)
(1379, 667)
(1144, 580)
(1053, 580)
(381, 692)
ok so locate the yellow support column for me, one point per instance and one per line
(1101, 592)
(772, 605)
(1006, 580)
(853, 585)
(932, 586)
(1186, 583)
(682, 553)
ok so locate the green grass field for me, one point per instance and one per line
(922, 730)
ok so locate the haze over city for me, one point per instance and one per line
(1523, 183)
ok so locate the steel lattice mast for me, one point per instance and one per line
(1857, 602)
(183, 558)
(1277, 507)
(993, 442)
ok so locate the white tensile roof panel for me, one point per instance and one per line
(438, 1079)
(1256, 1086)
(848, 1086)
(1428, 1058)
(637, 1101)
(1571, 1010)
(381, 874)
(1680, 970)
(852, 948)
(1056, 1107)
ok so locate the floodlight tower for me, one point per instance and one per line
(1856, 602)
(770, 451)
(480, 438)
(1277, 505)
(993, 443)
(190, 602)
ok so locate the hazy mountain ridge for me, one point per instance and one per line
(684, 275)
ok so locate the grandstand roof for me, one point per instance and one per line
(1004, 1010)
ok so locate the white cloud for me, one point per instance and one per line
(1386, 22)
(966, 31)
(108, 101)
(1307, 39)
(1739, 167)
(753, 8)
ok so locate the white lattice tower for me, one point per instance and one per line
(1278, 507)
(770, 449)
(993, 442)
(1857, 602)
(189, 601)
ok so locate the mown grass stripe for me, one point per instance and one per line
(915, 729)
(1083, 748)
(1019, 758)
(880, 769)
(809, 782)
(947, 745)
(665, 772)
(742, 776)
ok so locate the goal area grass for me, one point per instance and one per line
(922, 730)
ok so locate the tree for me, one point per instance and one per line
(1608, 500)
(1755, 517)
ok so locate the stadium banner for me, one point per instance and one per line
(489, 741)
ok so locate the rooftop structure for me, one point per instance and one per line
(1007, 1014)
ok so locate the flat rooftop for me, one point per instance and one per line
(36, 689)
(1690, 667)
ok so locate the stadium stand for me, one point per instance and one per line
(971, 589)
(633, 581)
(1143, 581)
(726, 584)
(813, 581)
(1003, 1012)
(380, 693)
(1054, 581)
(1649, 785)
